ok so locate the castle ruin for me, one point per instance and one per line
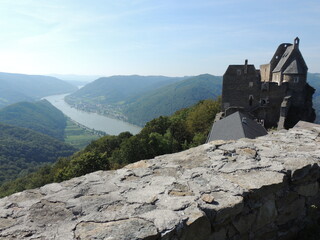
(277, 95)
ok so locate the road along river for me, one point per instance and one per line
(95, 121)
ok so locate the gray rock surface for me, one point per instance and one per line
(249, 189)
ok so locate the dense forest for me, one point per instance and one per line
(23, 150)
(34, 134)
(186, 128)
(168, 99)
(39, 116)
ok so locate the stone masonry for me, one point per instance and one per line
(266, 188)
(276, 95)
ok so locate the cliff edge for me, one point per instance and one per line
(266, 188)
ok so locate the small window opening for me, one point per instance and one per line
(264, 101)
(250, 84)
(296, 79)
(250, 100)
(238, 72)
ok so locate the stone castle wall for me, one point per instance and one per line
(266, 188)
(239, 85)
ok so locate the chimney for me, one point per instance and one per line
(296, 42)
(246, 66)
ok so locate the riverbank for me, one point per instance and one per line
(94, 121)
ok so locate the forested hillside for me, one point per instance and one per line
(23, 150)
(139, 99)
(22, 87)
(168, 99)
(186, 128)
(39, 116)
(120, 98)
(110, 90)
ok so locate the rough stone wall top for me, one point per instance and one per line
(179, 196)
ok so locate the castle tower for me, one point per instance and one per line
(279, 89)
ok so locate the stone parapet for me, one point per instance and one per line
(266, 188)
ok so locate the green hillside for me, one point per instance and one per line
(138, 99)
(187, 128)
(23, 150)
(39, 116)
(107, 95)
(168, 99)
(113, 89)
(44, 118)
(9, 95)
(22, 87)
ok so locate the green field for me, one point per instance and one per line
(78, 136)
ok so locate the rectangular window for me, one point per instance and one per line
(295, 79)
(250, 84)
(238, 72)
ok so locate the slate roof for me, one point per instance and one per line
(291, 62)
(235, 126)
(284, 58)
(294, 68)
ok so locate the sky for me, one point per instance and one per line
(152, 37)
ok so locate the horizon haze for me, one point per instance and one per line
(170, 38)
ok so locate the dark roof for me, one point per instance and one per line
(232, 69)
(291, 62)
(284, 58)
(294, 68)
(235, 126)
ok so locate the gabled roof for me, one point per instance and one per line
(291, 62)
(284, 58)
(294, 68)
(235, 126)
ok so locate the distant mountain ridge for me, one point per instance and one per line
(138, 99)
(110, 90)
(22, 87)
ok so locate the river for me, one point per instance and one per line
(92, 120)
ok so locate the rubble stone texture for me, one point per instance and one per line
(265, 188)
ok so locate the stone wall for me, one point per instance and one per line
(267, 188)
(239, 83)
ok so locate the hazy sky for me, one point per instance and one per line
(152, 37)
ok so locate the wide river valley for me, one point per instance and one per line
(95, 121)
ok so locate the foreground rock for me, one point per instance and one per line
(267, 188)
